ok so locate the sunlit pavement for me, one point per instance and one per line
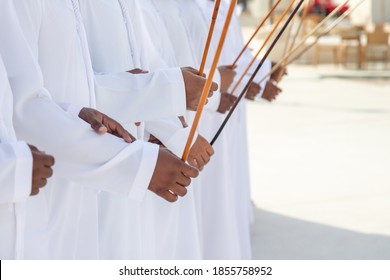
(320, 167)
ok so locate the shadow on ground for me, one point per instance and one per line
(276, 237)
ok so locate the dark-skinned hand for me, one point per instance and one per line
(200, 153)
(226, 103)
(102, 124)
(253, 90)
(183, 121)
(42, 169)
(138, 71)
(271, 91)
(171, 176)
(194, 85)
(279, 73)
(155, 140)
(227, 76)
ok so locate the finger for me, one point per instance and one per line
(192, 70)
(179, 190)
(222, 111)
(138, 71)
(182, 180)
(201, 162)
(33, 148)
(98, 127)
(210, 151)
(168, 196)
(47, 172)
(34, 191)
(214, 86)
(117, 129)
(205, 158)
(232, 100)
(42, 182)
(120, 132)
(48, 160)
(193, 162)
(189, 171)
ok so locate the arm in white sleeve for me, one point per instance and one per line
(15, 172)
(171, 133)
(102, 162)
(142, 97)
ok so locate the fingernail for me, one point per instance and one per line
(102, 130)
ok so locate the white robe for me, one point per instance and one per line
(62, 222)
(166, 231)
(15, 175)
(224, 198)
(237, 132)
(213, 195)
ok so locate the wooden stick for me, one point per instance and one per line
(262, 47)
(303, 18)
(209, 80)
(256, 71)
(256, 31)
(302, 42)
(209, 37)
(304, 15)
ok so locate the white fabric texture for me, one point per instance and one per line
(145, 230)
(55, 217)
(15, 175)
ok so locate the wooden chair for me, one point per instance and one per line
(377, 48)
(351, 40)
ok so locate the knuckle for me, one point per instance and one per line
(34, 192)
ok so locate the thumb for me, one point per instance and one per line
(98, 127)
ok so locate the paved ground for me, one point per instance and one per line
(320, 165)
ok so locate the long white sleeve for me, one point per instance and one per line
(15, 172)
(100, 162)
(141, 97)
(171, 133)
(114, 51)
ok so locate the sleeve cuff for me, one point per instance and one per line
(179, 101)
(177, 142)
(72, 109)
(23, 175)
(145, 171)
(215, 100)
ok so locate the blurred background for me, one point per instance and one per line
(320, 153)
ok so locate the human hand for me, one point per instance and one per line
(226, 103)
(171, 176)
(271, 91)
(279, 73)
(138, 71)
(194, 85)
(42, 169)
(103, 124)
(227, 77)
(253, 90)
(200, 153)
